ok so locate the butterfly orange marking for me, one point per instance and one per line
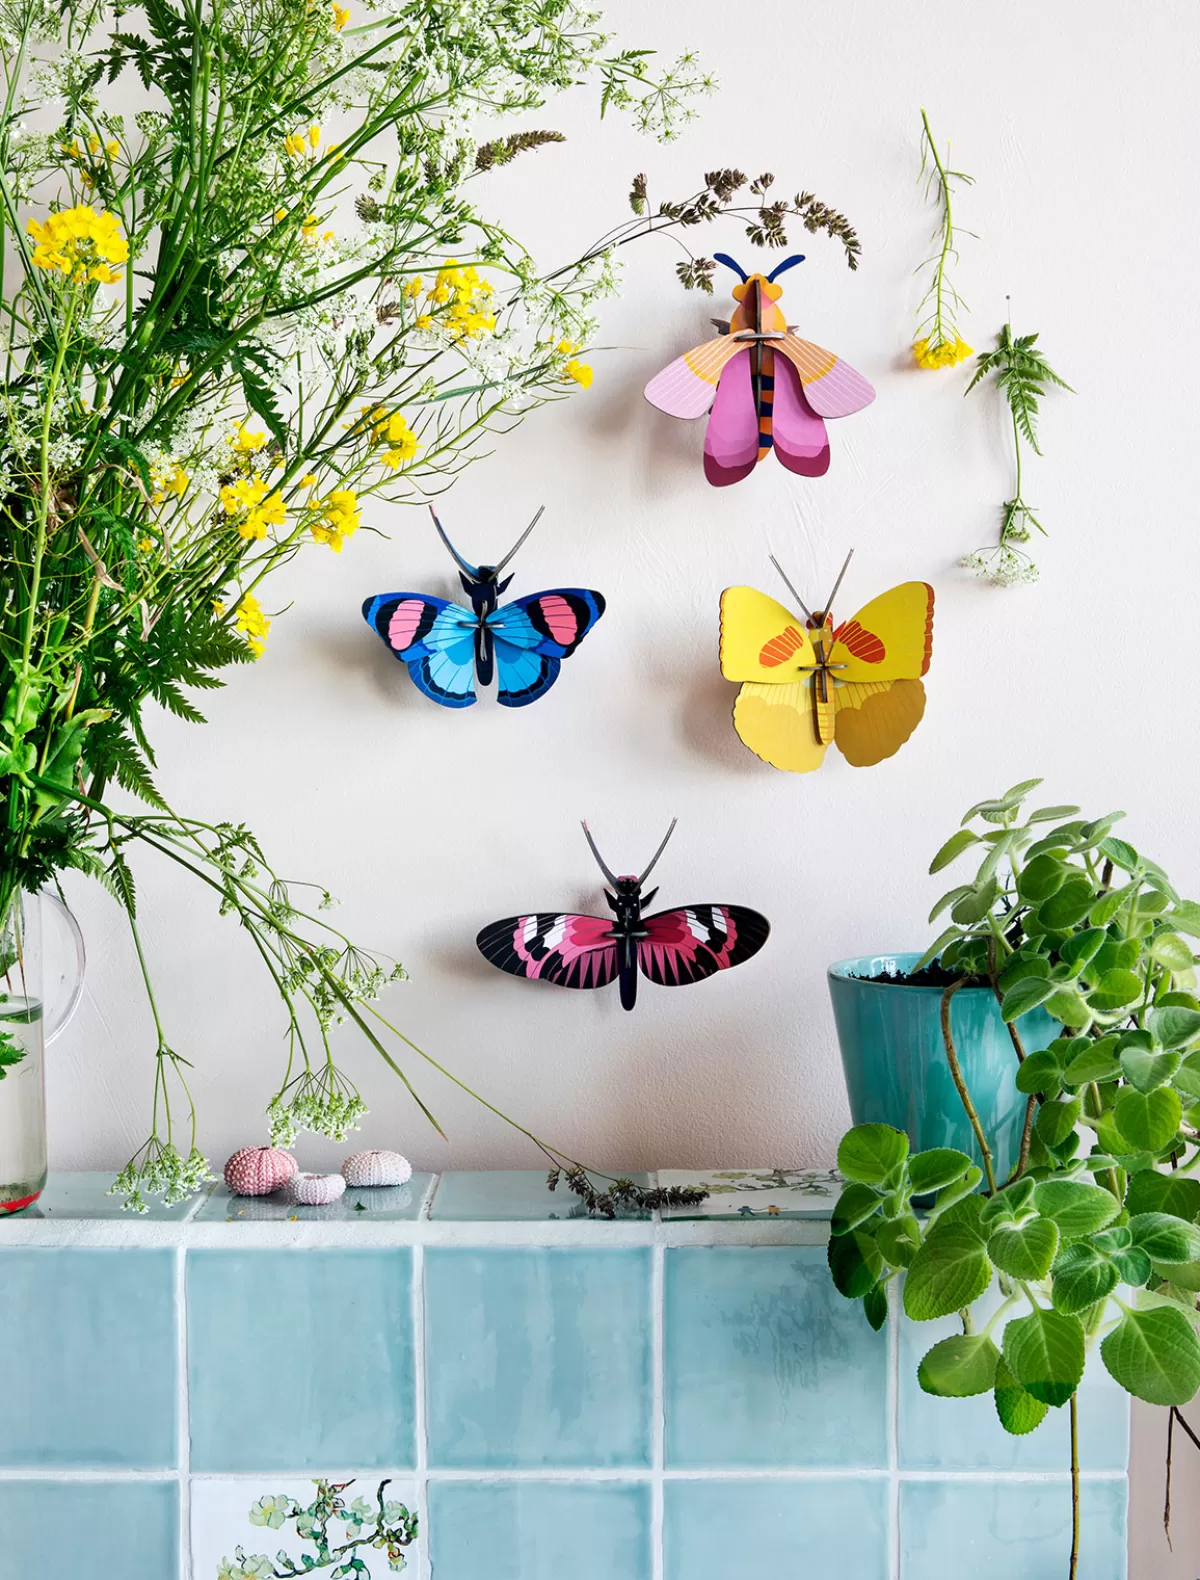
(862, 643)
(780, 648)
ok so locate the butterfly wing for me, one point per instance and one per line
(875, 718)
(434, 638)
(696, 941)
(784, 725)
(686, 387)
(731, 440)
(890, 638)
(761, 639)
(572, 951)
(831, 387)
(799, 437)
(533, 635)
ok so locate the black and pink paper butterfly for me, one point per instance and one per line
(672, 948)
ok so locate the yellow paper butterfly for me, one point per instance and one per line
(806, 682)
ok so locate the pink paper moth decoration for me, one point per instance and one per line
(767, 388)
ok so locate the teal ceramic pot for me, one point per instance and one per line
(895, 1061)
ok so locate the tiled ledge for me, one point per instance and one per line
(483, 1207)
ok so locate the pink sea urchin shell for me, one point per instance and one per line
(315, 1190)
(376, 1168)
(257, 1171)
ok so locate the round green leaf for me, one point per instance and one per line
(1019, 1411)
(1106, 907)
(1151, 1191)
(953, 848)
(1041, 878)
(1186, 918)
(1164, 1238)
(949, 1271)
(1025, 995)
(1067, 907)
(1040, 1072)
(854, 1206)
(974, 907)
(960, 1366)
(898, 1240)
(875, 1306)
(1175, 1027)
(937, 1166)
(868, 1153)
(1077, 1208)
(1187, 1078)
(1023, 966)
(1027, 1251)
(1081, 1277)
(1099, 1062)
(1148, 1120)
(1172, 951)
(1066, 1006)
(1116, 988)
(1056, 1121)
(1135, 1267)
(1184, 1275)
(1082, 946)
(1154, 1355)
(1007, 1204)
(1045, 1353)
(1146, 1069)
(855, 1264)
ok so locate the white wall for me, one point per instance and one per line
(1078, 121)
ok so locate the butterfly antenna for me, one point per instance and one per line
(730, 263)
(520, 540)
(600, 861)
(807, 614)
(658, 852)
(788, 263)
(838, 583)
(471, 570)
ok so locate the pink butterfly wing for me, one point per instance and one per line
(731, 439)
(685, 387)
(801, 442)
(572, 951)
(696, 941)
(832, 387)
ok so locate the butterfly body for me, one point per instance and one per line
(767, 389)
(449, 649)
(807, 683)
(672, 948)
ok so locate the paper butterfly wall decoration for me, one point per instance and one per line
(448, 648)
(808, 682)
(672, 948)
(768, 389)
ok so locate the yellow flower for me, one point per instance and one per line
(271, 513)
(280, 214)
(245, 442)
(173, 481)
(218, 607)
(567, 348)
(261, 509)
(390, 429)
(314, 136)
(79, 242)
(308, 480)
(112, 148)
(341, 15)
(337, 518)
(423, 321)
(579, 372)
(253, 624)
(145, 544)
(413, 288)
(93, 144)
(294, 143)
(243, 494)
(941, 353)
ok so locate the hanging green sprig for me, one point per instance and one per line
(938, 343)
(1022, 375)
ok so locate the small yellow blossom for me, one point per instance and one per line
(413, 288)
(308, 480)
(173, 481)
(93, 144)
(341, 15)
(337, 518)
(218, 608)
(567, 348)
(145, 544)
(423, 321)
(112, 148)
(390, 430)
(314, 136)
(245, 442)
(253, 623)
(249, 498)
(294, 143)
(279, 215)
(81, 243)
(942, 354)
(579, 372)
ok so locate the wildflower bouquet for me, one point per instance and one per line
(233, 329)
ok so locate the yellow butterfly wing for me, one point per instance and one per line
(874, 718)
(776, 714)
(891, 638)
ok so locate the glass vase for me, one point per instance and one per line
(41, 979)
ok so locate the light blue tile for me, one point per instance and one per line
(998, 1530)
(86, 1195)
(538, 1530)
(537, 1358)
(965, 1434)
(90, 1342)
(299, 1360)
(393, 1204)
(767, 1365)
(61, 1530)
(511, 1195)
(773, 1530)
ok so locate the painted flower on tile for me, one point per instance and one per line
(383, 1525)
(271, 1511)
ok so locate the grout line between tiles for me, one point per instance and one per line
(183, 1449)
(658, 1410)
(543, 1473)
(420, 1416)
(893, 1429)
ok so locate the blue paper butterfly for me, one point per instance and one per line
(448, 648)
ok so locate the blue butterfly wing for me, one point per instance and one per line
(434, 638)
(533, 635)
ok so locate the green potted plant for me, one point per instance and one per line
(1091, 1234)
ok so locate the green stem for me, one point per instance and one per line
(960, 1084)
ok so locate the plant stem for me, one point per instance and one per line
(947, 231)
(1074, 1569)
(963, 1093)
